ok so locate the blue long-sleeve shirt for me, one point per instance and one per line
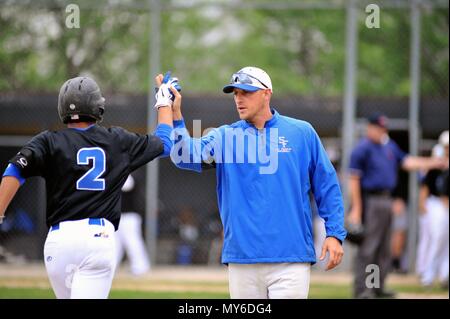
(263, 187)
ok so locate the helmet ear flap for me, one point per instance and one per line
(101, 108)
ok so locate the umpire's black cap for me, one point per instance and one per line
(378, 119)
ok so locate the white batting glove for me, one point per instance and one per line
(163, 96)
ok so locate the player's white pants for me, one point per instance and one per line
(269, 281)
(80, 259)
(437, 257)
(423, 243)
(129, 239)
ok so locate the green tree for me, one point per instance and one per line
(303, 50)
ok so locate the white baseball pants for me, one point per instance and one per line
(437, 257)
(269, 281)
(423, 243)
(80, 258)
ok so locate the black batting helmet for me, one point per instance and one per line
(80, 99)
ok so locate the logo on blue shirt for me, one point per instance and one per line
(283, 142)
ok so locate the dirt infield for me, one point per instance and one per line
(189, 274)
(178, 279)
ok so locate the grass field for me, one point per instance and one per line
(317, 291)
(30, 281)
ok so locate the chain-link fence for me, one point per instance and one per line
(302, 45)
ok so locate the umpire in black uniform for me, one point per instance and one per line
(374, 166)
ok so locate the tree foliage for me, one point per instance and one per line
(303, 50)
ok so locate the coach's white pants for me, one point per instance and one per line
(269, 281)
(437, 254)
(80, 259)
(130, 241)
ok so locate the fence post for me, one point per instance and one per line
(151, 202)
(414, 129)
(349, 103)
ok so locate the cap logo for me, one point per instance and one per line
(72, 106)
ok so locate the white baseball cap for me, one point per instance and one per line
(249, 79)
(437, 151)
(444, 138)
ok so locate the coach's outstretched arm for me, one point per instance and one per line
(194, 154)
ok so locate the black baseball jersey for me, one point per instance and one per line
(85, 170)
(437, 182)
(442, 183)
(134, 199)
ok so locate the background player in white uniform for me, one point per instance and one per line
(85, 166)
(129, 239)
(433, 247)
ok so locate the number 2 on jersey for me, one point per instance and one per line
(91, 181)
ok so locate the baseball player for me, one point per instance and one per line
(433, 248)
(263, 186)
(129, 239)
(84, 166)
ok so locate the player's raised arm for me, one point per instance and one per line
(164, 102)
(26, 163)
(8, 189)
(164, 99)
(11, 182)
